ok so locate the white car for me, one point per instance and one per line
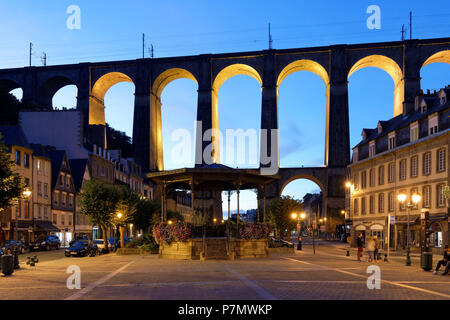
(101, 246)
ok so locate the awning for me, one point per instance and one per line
(46, 226)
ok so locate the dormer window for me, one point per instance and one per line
(372, 149)
(443, 100)
(355, 155)
(433, 125)
(380, 128)
(414, 132)
(391, 141)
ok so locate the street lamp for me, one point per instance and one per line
(119, 215)
(402, 199)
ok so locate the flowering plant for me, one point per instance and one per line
(167, 233)
(255, 231)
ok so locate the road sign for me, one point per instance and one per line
(392, 219)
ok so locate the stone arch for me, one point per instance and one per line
(440, 56)
(223, 75)
(7, 85)
(309, 177)
(304, 65)
(97, 96)
(48, 89)
(158, 85)
(392, 68)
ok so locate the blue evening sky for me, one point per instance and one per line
(112, 30)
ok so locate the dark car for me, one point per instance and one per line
(82, 248)
(45, 243)
(116, 241)
(78, 238)
(12, 244)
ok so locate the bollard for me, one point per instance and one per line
(36, 259)
(385, 258)
(7, 264)
(32, 262)
(28, 260)
(16, 258)
(348, 253)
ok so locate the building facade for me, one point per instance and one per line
(407, 154)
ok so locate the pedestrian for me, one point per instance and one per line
(370, 248)
(377, 248)
(359, 243)
(444, 261)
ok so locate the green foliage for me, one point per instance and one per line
(11, 186)
(127, 204)
(143, 216)
(99, 202)
(279, 214)
(144, 240)
(119, 140)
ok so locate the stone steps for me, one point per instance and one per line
(216, 249)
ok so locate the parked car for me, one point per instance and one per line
(116, 241)
(12, 244)
(45, 243)
(78, 238)
(101, 246)
(82, 248)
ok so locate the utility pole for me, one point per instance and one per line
(270, 39)
(410, 25)
(151, 51)
(44, 59)
(31, 51)
(403, 32)
(143, 45)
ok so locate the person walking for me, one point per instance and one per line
(370, 248)
(444, 261)
(377, 248)
(359, 243)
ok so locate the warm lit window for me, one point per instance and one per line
(426, 197)
(391, 203)
(402, 170)
(414, 166)
(433, 125)
(381, 202)
(441, 159)
(427, 163)
(414, 132)
(363, 180)
(440, 195)
(372, 177)
(371, 204)
(355, 206)
(391, 172)
(381, 175)
(372, 149)
(391, 141)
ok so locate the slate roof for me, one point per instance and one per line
(57, 157)
(402, 121)
(77, 168)
(14, 136)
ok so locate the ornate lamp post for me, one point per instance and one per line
(415, 200)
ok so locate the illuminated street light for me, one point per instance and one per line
(302, 215)
(348, 184)
(119, 215)
(294, 216)
(169, 222)
(415, 200)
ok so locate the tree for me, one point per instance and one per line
(116, 139)
(99, 202)
(126, 207)
(279, 214)
(143, 216)
(11, 186)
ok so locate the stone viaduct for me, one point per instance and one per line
(402, 60)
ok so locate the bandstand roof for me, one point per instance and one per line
(214, 177)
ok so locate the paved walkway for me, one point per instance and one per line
(328, 274)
